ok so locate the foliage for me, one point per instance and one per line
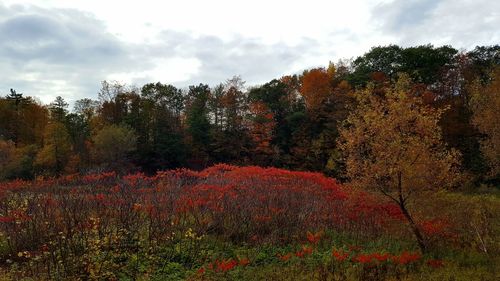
(202, 125)
(485, 102)
(392, 143)
(56, 149)
(112, 144)
(316, 87)
(7, 154)
(226, 223)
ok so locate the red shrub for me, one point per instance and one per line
(435, 263)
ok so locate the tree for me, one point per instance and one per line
(385, 59)
(79, 131)
(86, 108)
(198, 124)
(116, 102)
(229, 140)
(283, 100)
(167, 97)
(58, 109)
(393, 144)
(160, 142)
(485, 105)
(423, 63)
(216, 107)
(315, 147)
(22, 120)
(112, 144)
(56, 149)
(483, 60)
(16, 162)
(7, 155)
(17, 98)
(261, 130)
(316, 87)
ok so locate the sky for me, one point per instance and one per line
(65, 48)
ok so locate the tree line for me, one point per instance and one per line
(293, 122)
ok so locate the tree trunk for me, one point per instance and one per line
(414, 228)
(413, 225)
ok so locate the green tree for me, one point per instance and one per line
(385, 59)
(161, 139)
(483, 60)
(423, 63)
(79, 130)
(58, 109)
(198, 124)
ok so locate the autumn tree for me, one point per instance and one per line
(118, 103)
(7, 155)
(281, 97)
(393, 144)
(22, 119)
(328, 117)
(261, 130)
(15, 162)
(112, 144)
(485, 104)
(315, 141)
(316, 87)
(56, 150)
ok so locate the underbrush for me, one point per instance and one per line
(236, 223)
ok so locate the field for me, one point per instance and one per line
(238, 223)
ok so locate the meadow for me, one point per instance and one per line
(239, 223)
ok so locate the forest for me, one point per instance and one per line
(291, 122)
(381, 167)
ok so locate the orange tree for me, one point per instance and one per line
(392, 143)
(485, 102)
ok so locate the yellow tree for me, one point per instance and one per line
(56, 150)
(392, 144)
(485, 105)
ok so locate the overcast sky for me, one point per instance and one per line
(66, 47)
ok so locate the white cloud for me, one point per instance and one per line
(167, 71)
(61, 47)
